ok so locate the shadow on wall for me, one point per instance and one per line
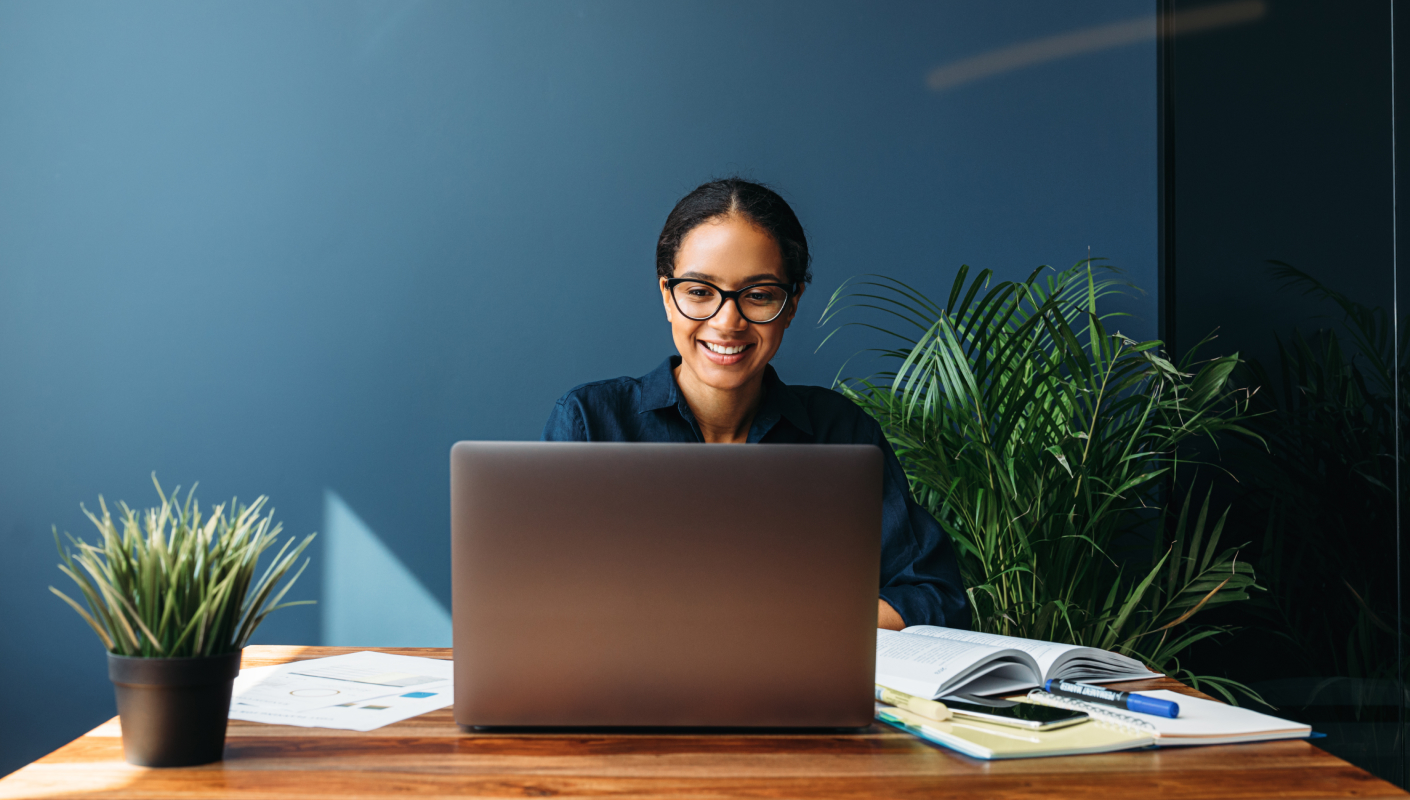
(370, 599)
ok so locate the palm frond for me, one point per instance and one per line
(1040, 440)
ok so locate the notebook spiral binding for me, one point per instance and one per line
(1106, 714)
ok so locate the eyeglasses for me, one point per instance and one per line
(701, 300)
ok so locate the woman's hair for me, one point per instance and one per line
(754, 202)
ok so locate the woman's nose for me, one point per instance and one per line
(729, 318)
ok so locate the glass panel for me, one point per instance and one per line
(1279, 246)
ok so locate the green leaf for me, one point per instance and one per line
(1039, 440)
(170, 583)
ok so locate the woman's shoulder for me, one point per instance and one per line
(624, 393)
(609, 392)
(835, 417)
(600, 410)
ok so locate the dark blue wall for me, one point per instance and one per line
(297, 247)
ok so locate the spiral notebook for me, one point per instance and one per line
(1200, 721)
(989, 742)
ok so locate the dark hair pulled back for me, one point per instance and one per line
(754, 202)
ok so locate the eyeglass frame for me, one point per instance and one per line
(788, 288)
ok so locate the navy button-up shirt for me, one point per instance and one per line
(919, 575)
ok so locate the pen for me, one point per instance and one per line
(930, 709)
(1107, 697)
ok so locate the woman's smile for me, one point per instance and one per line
(721, 350)
(723, 353)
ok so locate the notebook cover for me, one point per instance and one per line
(989, 742)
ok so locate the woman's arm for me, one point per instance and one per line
(920, 575)
(886, 617)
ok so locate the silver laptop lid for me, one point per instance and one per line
(612, 584)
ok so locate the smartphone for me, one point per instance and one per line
(1029, 716)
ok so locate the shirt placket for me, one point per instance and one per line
(684, 409)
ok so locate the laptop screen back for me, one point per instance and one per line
(611, 584)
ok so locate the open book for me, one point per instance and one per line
(935, 663)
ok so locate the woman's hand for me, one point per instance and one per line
(886, 617)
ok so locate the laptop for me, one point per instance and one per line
(664, 585)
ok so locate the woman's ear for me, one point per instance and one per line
(793, 305)
(666, 299)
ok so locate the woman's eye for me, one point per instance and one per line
(701, 293)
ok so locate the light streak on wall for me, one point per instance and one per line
(1090, 40)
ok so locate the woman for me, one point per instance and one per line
(732, 263)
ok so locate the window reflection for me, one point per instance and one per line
(1278, 244)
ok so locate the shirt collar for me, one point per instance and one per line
(659, 390)
(779, 400)
(658, 387)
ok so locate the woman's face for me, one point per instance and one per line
(727, 351)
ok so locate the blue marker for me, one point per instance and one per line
(1127, 700)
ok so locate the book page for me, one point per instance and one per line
(1115, 668)
(1045, 653)
(934, 656)
(927, 666)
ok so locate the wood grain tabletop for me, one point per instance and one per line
(429, 757)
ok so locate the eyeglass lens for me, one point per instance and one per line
(701, 301)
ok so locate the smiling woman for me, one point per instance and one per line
(732, 263)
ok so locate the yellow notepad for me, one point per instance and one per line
(989, 741)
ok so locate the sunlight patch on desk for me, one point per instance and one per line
(370, 599)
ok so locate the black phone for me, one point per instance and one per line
(1029, 716)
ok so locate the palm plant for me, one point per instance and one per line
(1041, 442)
(171, 584)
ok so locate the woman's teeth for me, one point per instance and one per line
(725, 351)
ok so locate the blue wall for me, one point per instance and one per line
(299, 248)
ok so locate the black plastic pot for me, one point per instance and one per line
(173, 710)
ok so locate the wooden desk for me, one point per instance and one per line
(429, 757)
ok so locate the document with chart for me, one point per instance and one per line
(933, 662)
(358, 691)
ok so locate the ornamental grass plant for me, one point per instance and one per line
(1044, 443)
(168, 582)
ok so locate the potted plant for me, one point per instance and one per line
(174, 597)
(1042, 442)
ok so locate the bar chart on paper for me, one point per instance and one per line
(358, 691)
